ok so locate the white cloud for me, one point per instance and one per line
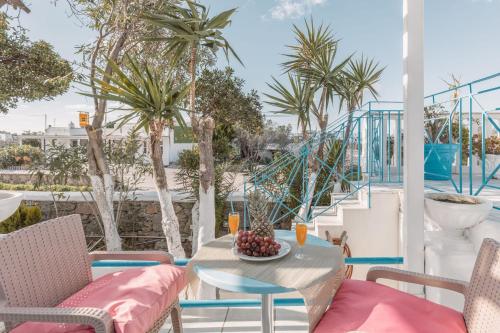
(285, 9)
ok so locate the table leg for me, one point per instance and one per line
(267, 314)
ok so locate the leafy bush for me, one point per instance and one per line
(24, 216)
(492, 145)
(189, 162)
(19, 156)
(43, 188)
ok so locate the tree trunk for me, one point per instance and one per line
(195, 225)
(314, 168)
(192, 89)
(99, 172)
(169, 222)
(348, 129)
(206, 232)
(306, 204)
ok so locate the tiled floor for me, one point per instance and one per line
(240, 320)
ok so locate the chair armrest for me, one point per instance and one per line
(379, 272)
(97, 318)
(161, 256)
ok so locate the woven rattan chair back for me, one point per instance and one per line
(43, 264)
(482, 298)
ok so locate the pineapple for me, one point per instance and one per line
(257, 207)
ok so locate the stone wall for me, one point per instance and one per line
(139, 225)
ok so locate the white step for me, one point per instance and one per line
(345, 197)
(325, 223)
(323, 210)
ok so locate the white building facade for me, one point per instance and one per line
(72, 136)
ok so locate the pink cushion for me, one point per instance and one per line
(370, 307)
(134, 298)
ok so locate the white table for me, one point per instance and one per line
(242, 284)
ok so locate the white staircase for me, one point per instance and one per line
(373, 231)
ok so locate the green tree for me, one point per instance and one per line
(119, 29)
(153, 100)
(313, 58)
(297, 101)
(189, 163)
(359, 76)
(29, 71)
(220, 95)
(189, 29)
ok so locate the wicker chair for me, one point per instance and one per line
(44, 264)
(481, 312)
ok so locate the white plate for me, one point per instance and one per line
(284, 250)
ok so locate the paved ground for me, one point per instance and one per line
(148, 183)
(244, 320)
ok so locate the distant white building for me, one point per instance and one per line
(7, 138)
(174, 140)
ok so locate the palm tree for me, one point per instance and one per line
(360, 76)
(152, 99)
(189, 29)
(313, 58)
(297, 101)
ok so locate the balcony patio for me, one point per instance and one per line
(336, 233)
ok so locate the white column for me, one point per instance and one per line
(413, 95)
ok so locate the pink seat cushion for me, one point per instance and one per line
(370, 307)
(134, 298)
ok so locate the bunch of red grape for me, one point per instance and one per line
(256, 246)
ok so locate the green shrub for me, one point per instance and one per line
(19, 156)
(188, 176)
(23, 217)
(492, 145)
(43, 188)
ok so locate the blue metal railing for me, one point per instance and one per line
(372, 152)
(305, 176)
(468, 116)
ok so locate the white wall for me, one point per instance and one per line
(172, 150)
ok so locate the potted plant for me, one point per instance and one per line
(439, 156)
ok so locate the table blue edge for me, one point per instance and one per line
(241, 284)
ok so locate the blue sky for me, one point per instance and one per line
(461, 37)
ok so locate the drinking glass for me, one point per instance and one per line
(233, 221)
(301, 236)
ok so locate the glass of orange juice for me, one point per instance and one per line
(301, 236)
(233, 221)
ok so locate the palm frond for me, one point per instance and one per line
(148, 94)
(191, 26)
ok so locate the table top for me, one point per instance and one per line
(242, 284)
